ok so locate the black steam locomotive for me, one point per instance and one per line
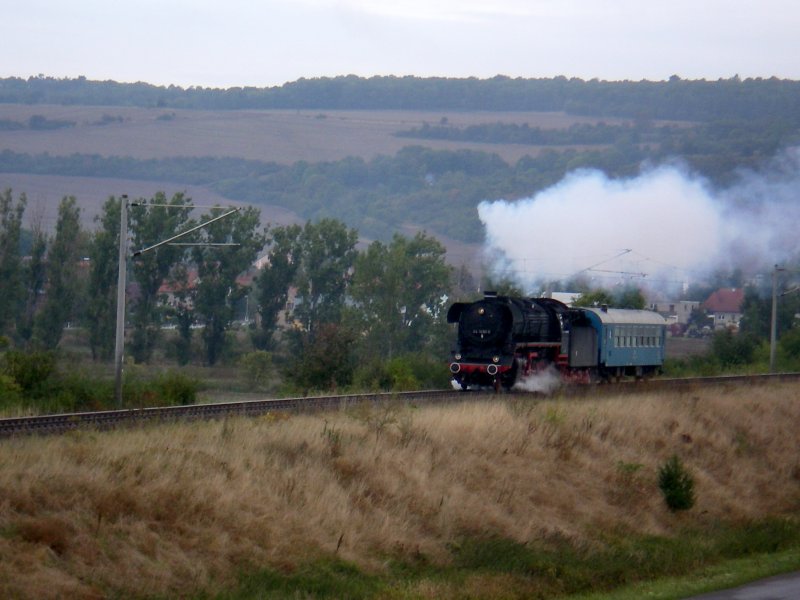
(502, 339)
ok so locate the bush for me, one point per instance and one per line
(173, 388)
(30, 370)
(676, 484)
(402, 373)
(372, 375)
(78, 392)
(322, 361)
(429, 373)
(10, 392)
(256, 368)
(694, 366)
(733, 349)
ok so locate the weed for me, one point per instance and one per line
(333, 440)
(631, 485)
(520, 407)
(628, 470)
(405, 426)
(376, 417)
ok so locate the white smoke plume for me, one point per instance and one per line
(544, 382)
(667, 223)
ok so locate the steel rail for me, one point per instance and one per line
(113, 419)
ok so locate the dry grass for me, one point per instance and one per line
(173, 509)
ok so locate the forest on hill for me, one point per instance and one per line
(693, 100)
(716, 128)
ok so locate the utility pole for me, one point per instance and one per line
(774, 321)
(121, 280)
(122, 275)
(773, 329)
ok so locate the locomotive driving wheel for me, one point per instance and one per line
(509, 378)
(497, 384)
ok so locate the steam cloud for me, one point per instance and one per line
(544, 382)
(677, 226)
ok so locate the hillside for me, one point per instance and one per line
(382, 154)
(503, 499)
(269, 136)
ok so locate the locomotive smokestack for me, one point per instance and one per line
(604, 307)
(490, 294)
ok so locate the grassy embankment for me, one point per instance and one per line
(479, 500)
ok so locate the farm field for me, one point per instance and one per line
(514, 498)
(44, 193)
(282, 136)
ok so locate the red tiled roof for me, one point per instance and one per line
(727, 300)
(169, 287)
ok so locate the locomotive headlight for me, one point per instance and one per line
(495, 359)
(457, 357)
(481, 311)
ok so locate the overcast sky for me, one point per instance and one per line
(260, 43)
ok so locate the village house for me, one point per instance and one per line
(676, 311)
(725, 306)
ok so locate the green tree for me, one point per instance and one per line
(757, 312)
(182, 310)
(398, 293)
(503, 287)
(275, 277)
(676, 484)
(733, 349)
(594, 298)
(218, 268)
(10, 261)
(463, 285)
(63, 276)
(628, 297)
(102, 286)
(34, 276)
(152, 222)
(327, 256)
(700, 318)
(789, 343)
(324, 360)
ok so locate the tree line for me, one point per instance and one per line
(733, 139)
(354, 311)
(676, 98)
(331, 315)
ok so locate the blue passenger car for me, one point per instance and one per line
(618, 342)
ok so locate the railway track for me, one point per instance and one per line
(115, 419)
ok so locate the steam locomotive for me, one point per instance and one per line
(503, 339)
